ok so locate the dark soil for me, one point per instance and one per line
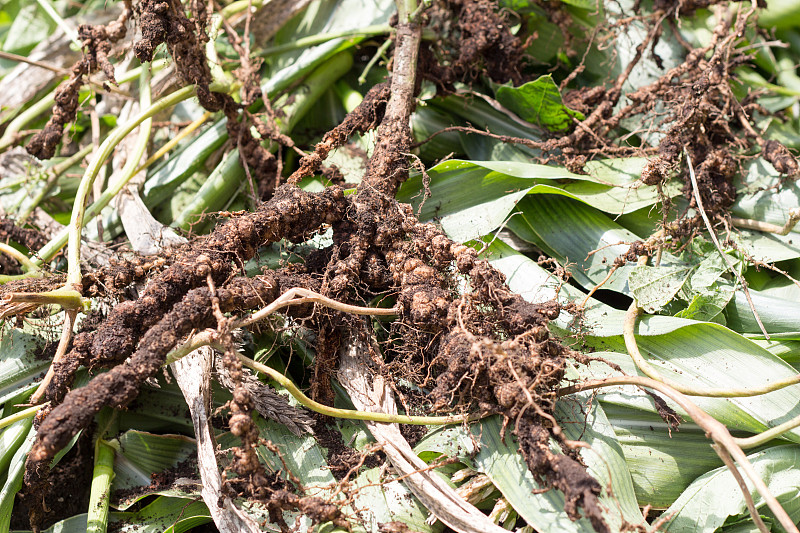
(341, 458)
(66, 493)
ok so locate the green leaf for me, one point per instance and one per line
(662, 462)
(780, 14)
(180, 166)
(13, 481)
(781, 317)
(30, 27)
(20, 363)
(389, 502)
(539, 102)
(142, 454)
(466, 215)
(707, 355)
(714, 497)
(591, 245)
(318, 18)
(707, 306)
(585, 4)
(654, 287)
(685, 351)
(502, 462)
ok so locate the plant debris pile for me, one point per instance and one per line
(460, 332)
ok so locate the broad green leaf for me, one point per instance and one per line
(31, 26)
(714, 497)
(142, 454)
(780, 317)
(654, 287)
(162, 410)
(590, 246)
(707, 306)
(585, 4)
(162, 180)
(688, 352)
(708, 355)
(20, 363)
(465, 215)
(389, 502)
(502, 462)
(13, 481)
(426, 121)
(780, 14)
(662, 462)
(306, 459)
(454, 184)
(474, 110)
(539, 102)
(11, 439)
(788, 350)
(763, 196)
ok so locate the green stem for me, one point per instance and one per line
(311, 40)
(767, 435)
(19, 256)
(378, 54)
(22, 415)
(80, 214)
(405, 9)
(66, 298)
(349, 413)
(100, 494)
(4, 278)
(104, 152)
